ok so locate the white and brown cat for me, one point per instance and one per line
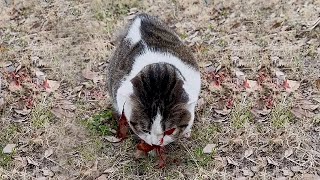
(154, 81)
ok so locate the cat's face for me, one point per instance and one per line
(163, 128)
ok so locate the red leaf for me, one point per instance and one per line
(123, 127)
(145, 147)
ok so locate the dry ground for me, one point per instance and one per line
(69, 42)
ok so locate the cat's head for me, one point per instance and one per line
(159, 110)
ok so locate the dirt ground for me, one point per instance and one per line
(259, 106)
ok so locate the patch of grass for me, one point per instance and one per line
(281, 116)
(114, 9)
(5, 159)
(100, 123)
(8, 133)
(40, 117)
(203, 159)
(240, 116)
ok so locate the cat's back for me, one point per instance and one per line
(146, 40)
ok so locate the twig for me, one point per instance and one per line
(315, 24)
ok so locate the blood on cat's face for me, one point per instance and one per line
(161, 131)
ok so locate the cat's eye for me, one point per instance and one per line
(183, 126)
(146, 131)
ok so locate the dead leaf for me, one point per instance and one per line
(308, 105)
(92, 170)
(287, 172)
(31, 161)
(224, 111)
(8, 149)
(280, 76)
(102, 177)
(60, 113)
(247, 172)
(13, 87)
(231, 161)
(41, 178)
(318, 84)
(208, 148)
(248, 153)
(23, 111)
(281, 178)
(48, 153)
(296, 168)
(139, 154)
(291, 86)
(251, 85)
(257, 112)
(271, 161)
(20, 162)
(47, 172)
(112, 139)
(241, 178)
(97, 79)
(288, 152)
(88, 74)
(310, 177)
(67, 105)
(213, 86)
(40, 75)
(301, 113)
(240, 75)
(51, 86)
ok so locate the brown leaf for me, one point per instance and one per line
(9, 148)
(40, 75)
(60, 113)
(251, 86)
(32, 161)
(247, 172)
(230, 160)
(102, 177)
(288, 152)
(47, 172)
(224, 111)
(67, 105)
(213, 86)
(291, 86)
(23, 111)
(318, 84)
(97, 79)
(310, 177)
(48, 153)
(112, 139)
(308, 105)
(13, 87)
(296, 168)
(52, 85)
(301, 113)
(88, 74)
(139, 154)
(271, 161)
(248, 152)
(209, 148)
(258, 112)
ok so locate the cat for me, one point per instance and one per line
(154, 81)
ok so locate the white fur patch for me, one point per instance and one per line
(134, 33)
(156, 132)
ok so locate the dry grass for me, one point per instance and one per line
(61, 38)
